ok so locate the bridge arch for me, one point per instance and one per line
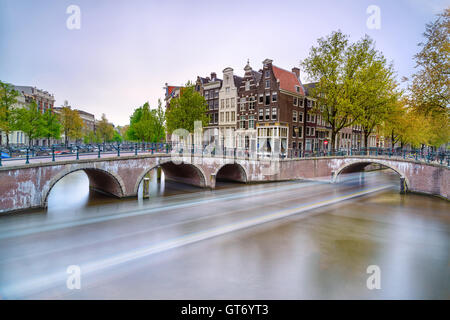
(185, 173)
(99, 179)
(359, 165)
(231, 171)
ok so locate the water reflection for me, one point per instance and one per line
(319, 253)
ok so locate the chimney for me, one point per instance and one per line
(296, 71)
(213, 76)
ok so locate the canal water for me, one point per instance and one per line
(320, 253)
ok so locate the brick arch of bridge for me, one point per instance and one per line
(231, 171)
(99, 179)
(359, 165)
(184, 172)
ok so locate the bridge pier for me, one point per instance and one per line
(403, 187)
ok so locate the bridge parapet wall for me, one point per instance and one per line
(28, 186)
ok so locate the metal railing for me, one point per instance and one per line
(26, 155)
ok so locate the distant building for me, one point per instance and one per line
(247, 113)
(44, 101)
(228, 97)
(209, 88)
(16, 137)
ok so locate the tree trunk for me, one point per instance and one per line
(366, 139)
(333, 142)
(7, 140)
(392, 140)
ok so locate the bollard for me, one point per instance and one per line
(53, 153)
(0, 157)
(78, 157)
(146, 193)
(135, 149)
(99, 151)
(28, 157)
(118, 150)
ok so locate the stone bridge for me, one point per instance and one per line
(28, 186)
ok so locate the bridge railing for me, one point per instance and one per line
(26, 155)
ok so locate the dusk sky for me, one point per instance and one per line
(125, 51)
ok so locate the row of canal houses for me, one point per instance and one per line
(268, 110)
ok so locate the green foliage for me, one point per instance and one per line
(30, 120)
(105, 130)
(429, 90)
(355, 85)
(147, 124)
(117, 137)
(51, 128)
(91, 137)
(184, 110)
(8, 97)
(72, 124)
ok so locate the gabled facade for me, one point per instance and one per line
(280, 116)
(246, 135)
(209, 88)
(228, 99)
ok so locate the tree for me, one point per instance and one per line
(8, 97)
(377, 92)
(405, 125)
(184, 110)
(134, 119)
(51, 126)
(91, 137)
(105, 130)
(159, 126)
(117, 137)
(143, 127)
(346, 75)
(30, 121)
(147, 124)
(393, 123)
(123, 130)
(72, 124)
(429, 90)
